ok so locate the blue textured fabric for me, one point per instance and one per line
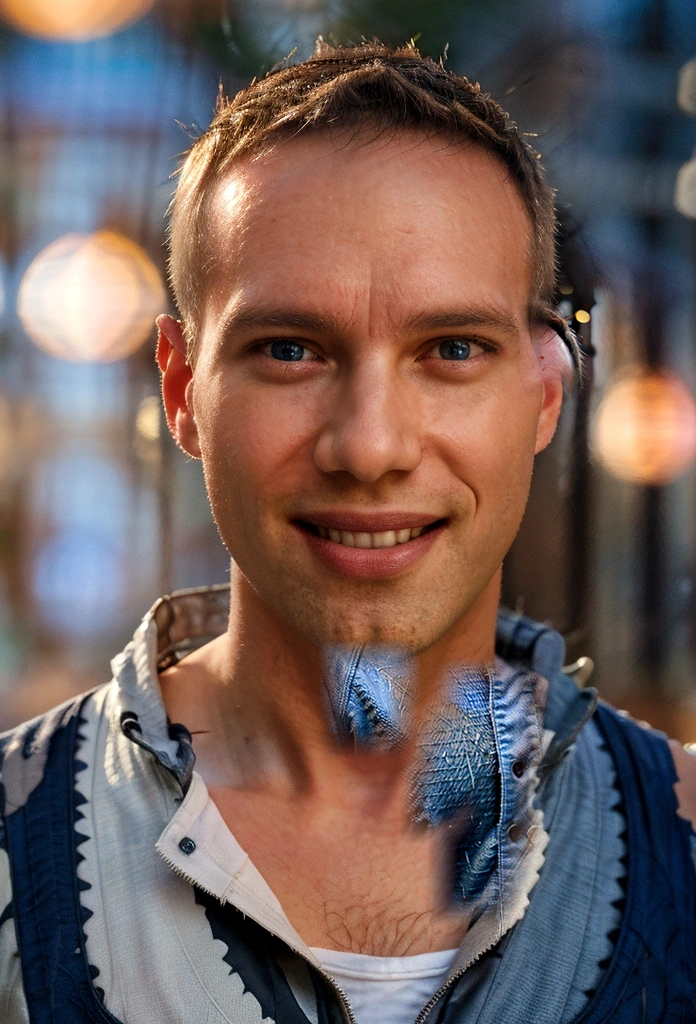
(458, 780)
(480, 752)
(369, 695)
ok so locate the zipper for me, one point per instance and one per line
(343, 998)
(434, 999)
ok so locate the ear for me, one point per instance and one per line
(177, 384)
(555, 365)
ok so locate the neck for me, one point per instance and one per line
(261, 708)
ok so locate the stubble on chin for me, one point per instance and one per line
(403, 615)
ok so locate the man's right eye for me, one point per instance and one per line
(288, 351)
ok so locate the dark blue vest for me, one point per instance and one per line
(650, 979)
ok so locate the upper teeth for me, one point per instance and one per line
(385, 539)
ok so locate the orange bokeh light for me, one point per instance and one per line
(645, 428)
(72, 19)
(90, 297)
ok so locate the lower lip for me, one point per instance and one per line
(371, 563)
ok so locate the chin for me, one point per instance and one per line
(346, 627)
(408, 616)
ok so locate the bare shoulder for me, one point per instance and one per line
(685, 764)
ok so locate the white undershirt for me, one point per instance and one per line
(387, 989)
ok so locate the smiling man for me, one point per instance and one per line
(383, 800)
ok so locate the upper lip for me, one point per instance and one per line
(363, 521)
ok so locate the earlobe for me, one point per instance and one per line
(177, 384)
(549, 414)
(553, 363)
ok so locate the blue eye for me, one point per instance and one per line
(455, 348)
(288, 351)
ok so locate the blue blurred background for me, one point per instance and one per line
(99, 514)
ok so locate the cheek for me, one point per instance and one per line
(253, 440)
(489, 437)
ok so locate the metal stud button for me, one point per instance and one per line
(518, 769)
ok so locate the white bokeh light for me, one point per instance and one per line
(90, 297)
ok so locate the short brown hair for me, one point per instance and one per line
(371, 87)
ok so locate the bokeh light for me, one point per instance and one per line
(685, 189)
(645, 428)
(90, 297)
(148, 425)
(147, 422)
(686, 92)
(72, 19)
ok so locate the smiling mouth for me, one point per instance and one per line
(360, 539)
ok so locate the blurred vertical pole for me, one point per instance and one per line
(651, 309)
(579, 583)
(580, 278)
(17, 579)
(654, 589)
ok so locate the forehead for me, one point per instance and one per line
(388, 223)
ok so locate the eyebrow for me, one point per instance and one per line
(474, 316)
(266, 317)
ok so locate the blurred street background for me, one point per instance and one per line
(100, 515)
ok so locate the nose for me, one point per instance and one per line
(373, 425)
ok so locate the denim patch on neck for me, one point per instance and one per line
(456, 782)
(369, 695)
(479, 752)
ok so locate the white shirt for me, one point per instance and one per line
(387, 989)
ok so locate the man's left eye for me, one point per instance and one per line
(454, 348)
(458, 350)
(287, 351)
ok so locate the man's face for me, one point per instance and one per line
(366, 373)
